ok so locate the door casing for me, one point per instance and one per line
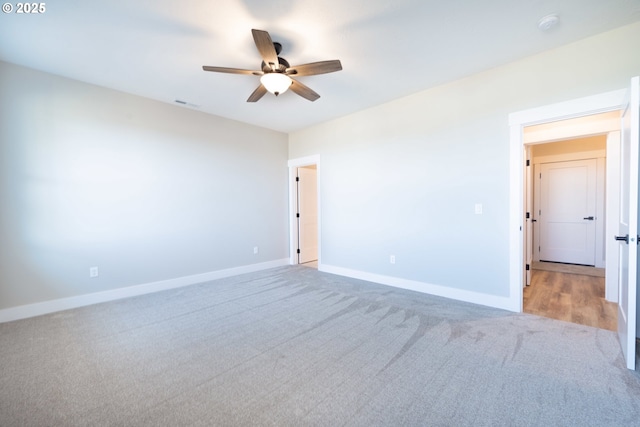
(596, 104)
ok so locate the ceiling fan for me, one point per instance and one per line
(276, 73)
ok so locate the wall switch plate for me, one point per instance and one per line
(93, 271)
(255, 249)
(478, 208)
(392, 259)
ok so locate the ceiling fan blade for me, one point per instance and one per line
(265, 47)
(257, 94)
(304, 91)
(314, 68)
(231, 70)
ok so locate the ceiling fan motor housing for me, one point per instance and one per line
(283, 64)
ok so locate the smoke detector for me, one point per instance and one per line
(548, 22)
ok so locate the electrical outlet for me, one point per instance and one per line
(392, 259)
(93, 271)
(255, 249)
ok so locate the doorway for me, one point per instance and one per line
(627, 102)
(304, 212)
(566, 279)
(307, 215)
(582, 118)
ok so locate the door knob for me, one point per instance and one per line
(624, 238)
(590, 218)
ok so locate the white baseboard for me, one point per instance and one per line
(45, 307)
(505, 303)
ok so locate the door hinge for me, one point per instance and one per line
(297, 215)
(298, 250)
(527, 267)
(528, 215)
(297, 178)
(528, 162)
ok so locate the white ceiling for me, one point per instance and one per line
(388, 48)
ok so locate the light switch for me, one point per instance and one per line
(478, 208)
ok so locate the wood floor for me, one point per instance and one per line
(570, 297)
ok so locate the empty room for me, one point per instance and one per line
(289, 212)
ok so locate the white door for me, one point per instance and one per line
(307, 214)
(628, 227)
(567, 212)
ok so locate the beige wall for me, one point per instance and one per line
(578, 145)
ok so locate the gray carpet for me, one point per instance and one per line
(294, 346)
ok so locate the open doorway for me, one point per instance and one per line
(624, 103)
(304, 202)
(571, 187)
(307, 215)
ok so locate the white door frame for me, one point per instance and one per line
(581, 107)
(294, 164)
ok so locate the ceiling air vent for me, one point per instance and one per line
(188, 104)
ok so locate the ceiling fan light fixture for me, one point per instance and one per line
(276, 83)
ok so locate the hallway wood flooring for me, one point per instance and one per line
(570, 297)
